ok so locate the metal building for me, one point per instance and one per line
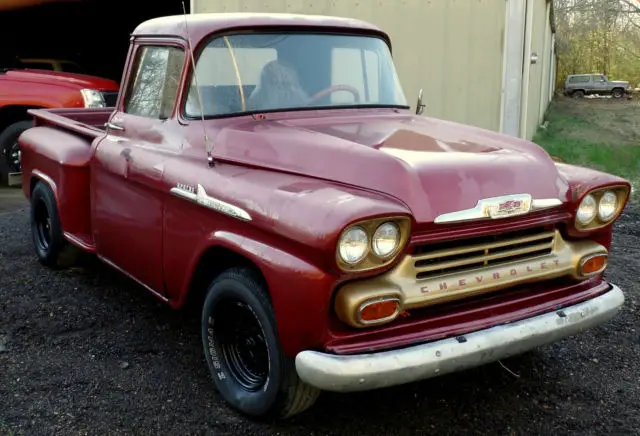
(489, 63)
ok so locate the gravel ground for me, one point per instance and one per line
(88, 352)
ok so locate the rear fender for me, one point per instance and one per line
(61, 160)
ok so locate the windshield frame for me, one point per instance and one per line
(265, 30)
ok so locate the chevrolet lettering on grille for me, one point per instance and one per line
(498, 274)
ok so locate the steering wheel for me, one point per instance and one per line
(336, 88)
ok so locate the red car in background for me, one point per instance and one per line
(22, 89)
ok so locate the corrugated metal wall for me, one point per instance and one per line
(451, 48)
(538, 72)
(454, 49)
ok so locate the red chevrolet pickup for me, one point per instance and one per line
(22, 88)
(335, 239)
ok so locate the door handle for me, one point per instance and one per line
(113, 125)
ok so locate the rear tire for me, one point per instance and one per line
(9, 149)
(243, 352)
(51, 248)
(577, 94)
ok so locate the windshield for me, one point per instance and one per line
(287, 71)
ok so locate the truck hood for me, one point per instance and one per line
(433, 166)
(620, 82)
(72, 80)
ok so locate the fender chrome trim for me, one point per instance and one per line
(360, 372)
(201, 197)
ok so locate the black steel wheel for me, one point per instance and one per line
(10, 158)
(42, 222)
(243, 352)
(13, 157)
(47, 235)
(243, 344)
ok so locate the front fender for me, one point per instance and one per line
(300, 292)
(581, 180)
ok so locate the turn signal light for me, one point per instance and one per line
(377, 311)
(593, 264)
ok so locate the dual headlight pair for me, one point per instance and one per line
(372, 243)
(599, 207)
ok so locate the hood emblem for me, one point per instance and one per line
(499, 207)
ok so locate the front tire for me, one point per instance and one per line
(50, 245)
(618, 93)
(578, 94)
(243, 350)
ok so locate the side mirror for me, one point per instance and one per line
(420, 106)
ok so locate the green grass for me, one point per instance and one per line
(575, 133)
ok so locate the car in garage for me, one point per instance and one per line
(23, 88)
(49, 64)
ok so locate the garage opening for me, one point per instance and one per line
(92, 34)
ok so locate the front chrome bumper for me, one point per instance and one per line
(345, 373)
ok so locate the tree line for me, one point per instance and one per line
(598, 36)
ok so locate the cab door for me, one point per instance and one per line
(128, 196)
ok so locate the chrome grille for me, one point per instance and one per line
(454, 256)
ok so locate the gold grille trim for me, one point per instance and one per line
(494, 250)
(453, 270)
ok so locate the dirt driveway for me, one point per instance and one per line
(11, 199)
(89, 352)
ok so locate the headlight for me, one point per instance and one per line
(607, 206)
(92, 98)
(386, 239)
(600, 207)
(372, 243)
(587, 210)
(353, 245)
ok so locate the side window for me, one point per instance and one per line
(153, 85)
(357, 68)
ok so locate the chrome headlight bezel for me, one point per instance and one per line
(373, 258)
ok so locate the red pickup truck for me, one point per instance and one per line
(22, 89)
(335, 239)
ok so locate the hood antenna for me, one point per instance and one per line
(195, 79)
